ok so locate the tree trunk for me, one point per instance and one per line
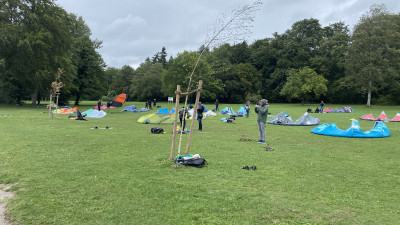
(369, 98)
(369, 94)
(78, 96)
(35, 95)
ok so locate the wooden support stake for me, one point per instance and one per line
(178, 91)
(50, 106)
(194, 116)
(57, 95)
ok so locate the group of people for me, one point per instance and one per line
(317, 110)
(99, 104)
(183, 113)
(149, 103)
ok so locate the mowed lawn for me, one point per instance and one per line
(66, 173)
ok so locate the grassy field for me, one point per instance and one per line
(66, 173)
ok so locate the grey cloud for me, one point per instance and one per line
(131, 31)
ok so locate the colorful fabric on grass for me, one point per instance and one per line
(379, 130)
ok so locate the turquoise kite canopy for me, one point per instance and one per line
(379, 130)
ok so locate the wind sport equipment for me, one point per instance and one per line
(94, 113)
(154, 118)
(379, 130)
(165, 111)
(119, 100)
(241, 111)
(130, 108)
(227, 111)
(381, 117)
(284, 119)
(344, 109)
(66, 110)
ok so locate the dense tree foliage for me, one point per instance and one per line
(306, 63)
(304, 85)
(37, 38)
(373, 64)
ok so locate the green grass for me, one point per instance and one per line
(66, 173)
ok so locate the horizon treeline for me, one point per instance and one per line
(306, 63)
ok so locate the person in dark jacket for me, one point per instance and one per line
(262, 113)
(99, 104)
(322, 104)
(182, 115)
(216, 105)
(247, 108)
(108, 107)
(200, 110)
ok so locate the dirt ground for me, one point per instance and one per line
(4, 196)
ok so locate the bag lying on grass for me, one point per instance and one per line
(157, 130)
(190, 160)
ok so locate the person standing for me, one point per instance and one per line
(182, 115)
(99, 104)
(247, 108)
(200, 110)
(108, 107)
(262, 112)
(321, 110)
(216, 105)
(155, 103)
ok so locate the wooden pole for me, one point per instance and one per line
(177, 92)
(50, 106)
(194, 116)
(57, 94)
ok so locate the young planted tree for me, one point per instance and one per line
(237, 25)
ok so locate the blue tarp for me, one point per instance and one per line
(379, 130)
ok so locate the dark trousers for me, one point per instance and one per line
(200, 124)
(184, 123)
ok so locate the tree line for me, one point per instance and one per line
(306, 63)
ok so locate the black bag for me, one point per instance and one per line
(194, 162)
(157, 130)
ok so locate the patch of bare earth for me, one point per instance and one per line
(4, 197)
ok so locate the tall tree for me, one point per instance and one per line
(35, 41)
(122, 81)
(374, 54)
(304, 85)
(147, 81)
(90, 78)
(179, 70)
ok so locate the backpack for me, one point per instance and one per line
(194, 162)
(199, 162)
(157, 130)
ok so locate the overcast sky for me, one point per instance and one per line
(132, 30)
